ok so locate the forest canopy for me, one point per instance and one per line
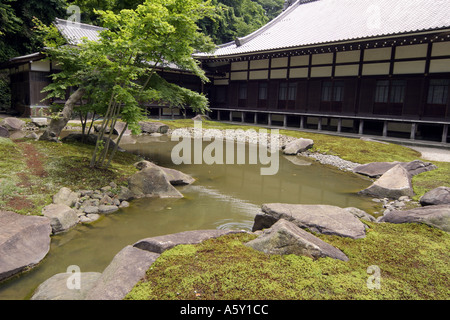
(231, 19)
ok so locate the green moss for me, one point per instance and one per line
(413, 260)
(61, 165)
(431, 179)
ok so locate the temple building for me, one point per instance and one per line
(364, 66)
(368, 67)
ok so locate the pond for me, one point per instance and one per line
(224, 196)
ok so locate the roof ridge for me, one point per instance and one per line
(59, 21)
(243, 40)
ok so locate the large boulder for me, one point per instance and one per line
(323, 219)
(12, 124)
(175, 177)
(56, 288)
(39, 122)
(119, 126)
(153, 127)
(439, 195)
(66, 196)
(377, 169)
(4, 133)
(393, 184)
(61, 216)
(24, 242)
(121, 275)
(284, 237)
(90, 139)
(360, 214)
(152, 182)
(297, 146)
(437, 216)
(160, 244)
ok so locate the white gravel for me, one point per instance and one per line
(434, 154)
(252, 136)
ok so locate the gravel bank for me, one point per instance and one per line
(252, 136)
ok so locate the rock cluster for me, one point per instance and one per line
(86, 206)
(393, 178)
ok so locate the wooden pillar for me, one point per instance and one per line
(285, 121)
(218, 115)
(242, 116)
(319, 124)
(231, 116)
(269, 119)
(255, 118)
(413, 131)
(361, 126)
(159, 113)
(444, 133)
(339, 125)
(385, 128)
(302, 122)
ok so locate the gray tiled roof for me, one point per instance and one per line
(307, 23)
(74, 32)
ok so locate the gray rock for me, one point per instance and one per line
(162, 243)
(90, 209)
(152, 182)
(360, 214)
(4, 133)
(84, 193)
(32, 135)
(39, 122)
(377, 169)
(61, 217)
(285, 237)
(118, 128)
(107, 200)
(439, 195)
(89, 218)
(152, 127)
(175, 177)
(299, 145)
(396, 182)
(66, 196)
(12, 124)
(125, 194)
(437, 216)
(89, 139)
(24, 242)
(56, 288)
(323, 219)
(105, 209)
(124, 204)
(122, 274)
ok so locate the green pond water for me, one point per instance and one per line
(224, 196)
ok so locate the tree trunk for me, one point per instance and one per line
(57, 125)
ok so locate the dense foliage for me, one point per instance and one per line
(232, 18)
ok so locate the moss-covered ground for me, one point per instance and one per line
(413, 263)
(413, 259)
(31, 172)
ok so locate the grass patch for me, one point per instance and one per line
(413, 260)
(34, 171)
